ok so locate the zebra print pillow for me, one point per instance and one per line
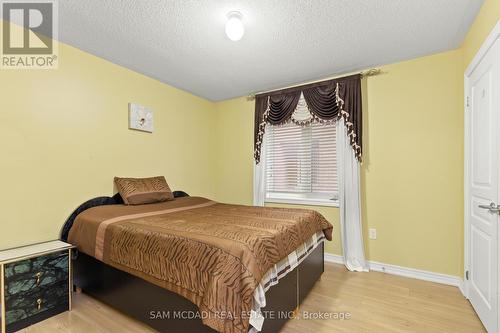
(138, 191)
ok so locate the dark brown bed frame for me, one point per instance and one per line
(159, 308)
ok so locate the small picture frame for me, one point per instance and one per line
(140, 118)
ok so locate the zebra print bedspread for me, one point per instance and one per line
(213, 254)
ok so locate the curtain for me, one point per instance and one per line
(350, 203)
(281, 107)
(326, 101)
(274, 110)
(334, 100)
(259, 178)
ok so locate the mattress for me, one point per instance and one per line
(218, 256)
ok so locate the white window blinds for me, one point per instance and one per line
(301, 162)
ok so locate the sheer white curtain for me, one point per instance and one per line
(350, 203)
(349, 198)
(259, 177)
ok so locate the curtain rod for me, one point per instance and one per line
(369, 72)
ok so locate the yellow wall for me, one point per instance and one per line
(412, 173)
(64, 136)
(482, 26)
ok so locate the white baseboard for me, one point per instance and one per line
(404, 271)
(334, 258)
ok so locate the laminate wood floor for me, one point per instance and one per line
(374, 302)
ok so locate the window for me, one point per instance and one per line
(301, 164)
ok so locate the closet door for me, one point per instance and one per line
(482, 184)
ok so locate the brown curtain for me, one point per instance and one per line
(281, 107)
(327, 100)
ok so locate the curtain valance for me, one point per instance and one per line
(327, 101)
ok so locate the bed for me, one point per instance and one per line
(192, 264)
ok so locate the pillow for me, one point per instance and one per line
(138, 191)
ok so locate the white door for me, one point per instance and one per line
(482, 186)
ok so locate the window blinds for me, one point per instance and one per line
(302, 161)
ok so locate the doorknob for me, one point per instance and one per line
(492, 207)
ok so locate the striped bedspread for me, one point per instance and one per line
(213, 254)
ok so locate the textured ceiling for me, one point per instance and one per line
(183, 43)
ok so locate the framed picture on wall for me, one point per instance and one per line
(140, 118)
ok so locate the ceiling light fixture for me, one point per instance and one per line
(234, 26)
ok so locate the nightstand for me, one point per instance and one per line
(35, 284)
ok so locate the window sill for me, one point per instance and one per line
(307, 202)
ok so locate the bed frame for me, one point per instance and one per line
(164, 310)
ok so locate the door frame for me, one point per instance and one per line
(487, 45)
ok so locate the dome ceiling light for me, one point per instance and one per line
(234, 26)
